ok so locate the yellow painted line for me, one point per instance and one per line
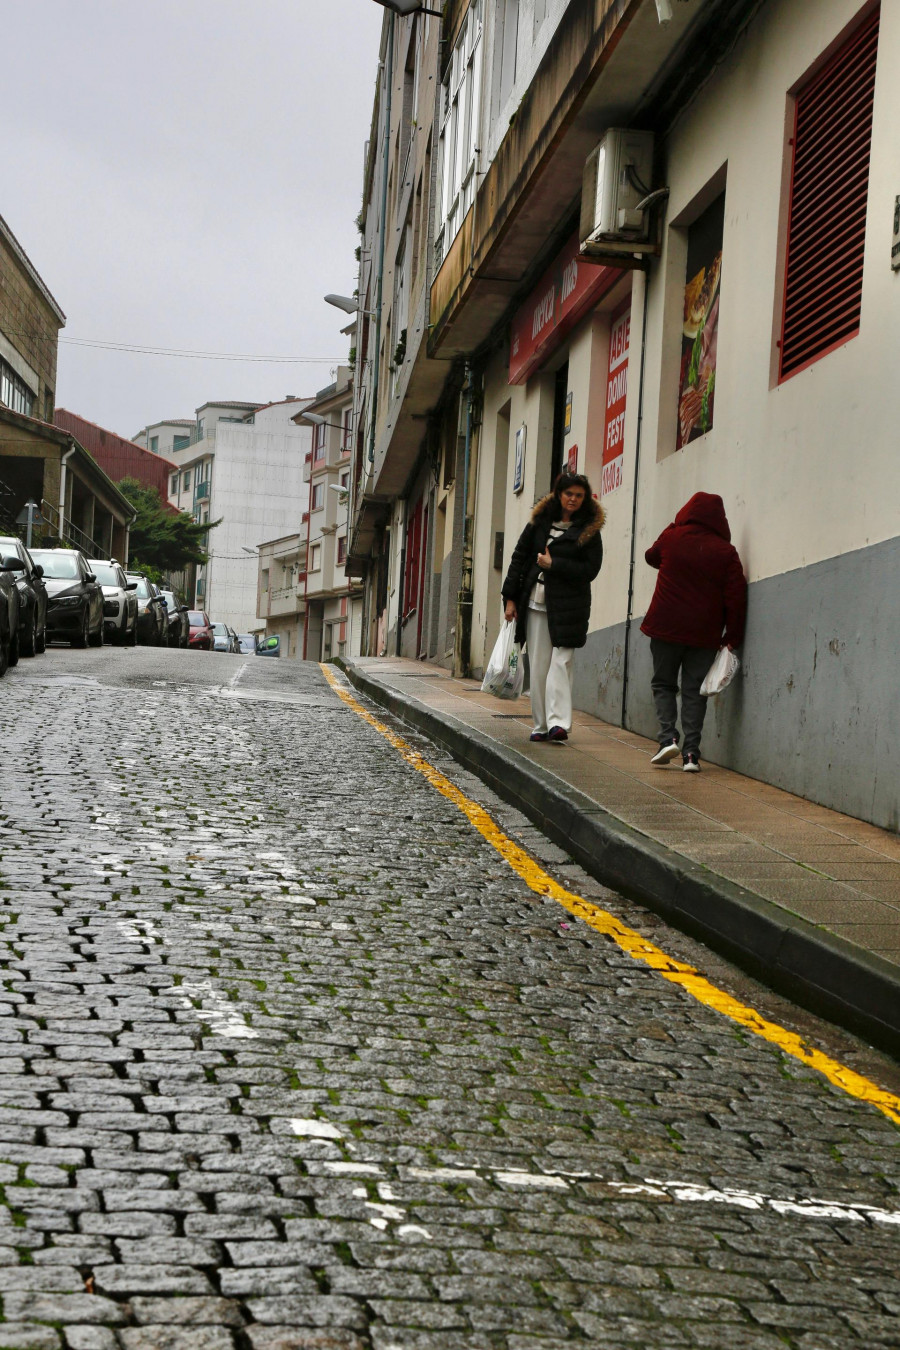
(626, 938)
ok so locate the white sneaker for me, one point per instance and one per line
(691, 762)
(665, 753)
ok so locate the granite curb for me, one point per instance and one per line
(816, 968)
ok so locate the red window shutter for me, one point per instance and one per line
(829, 187)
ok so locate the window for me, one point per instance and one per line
(318, 496)
(829, 188)
(154, 445)
(186, 479)
(319, 440)
(460, 101)
(174, 487)
(347, 431)
(345, 479)
(315, 555)
(341, 549)
(14, 393)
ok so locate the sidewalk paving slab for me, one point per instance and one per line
(804, 898)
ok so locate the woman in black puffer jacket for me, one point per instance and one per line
(548, 592)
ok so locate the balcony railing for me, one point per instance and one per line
(201, 491)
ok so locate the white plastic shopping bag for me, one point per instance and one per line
(721, 672)
(504, 676)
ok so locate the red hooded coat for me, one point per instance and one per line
(701, 590)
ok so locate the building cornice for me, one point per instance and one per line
(29, 268)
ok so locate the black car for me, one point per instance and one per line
(74, 595)
(152, 620)
(179, 625)
(32, 596)
(9, 615)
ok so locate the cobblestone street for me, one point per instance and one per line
(293, 1059)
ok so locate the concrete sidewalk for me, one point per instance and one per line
(806, 899)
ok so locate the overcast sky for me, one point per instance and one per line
(186, 174)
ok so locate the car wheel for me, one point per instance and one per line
(28, 644)
(40, 640)
(4, 655)
(131, 638)
(96, 639)
(14, 648)
(81, 640)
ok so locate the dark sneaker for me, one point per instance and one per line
(691, 763)
(558, 734)
(539, 735)
(665, 753)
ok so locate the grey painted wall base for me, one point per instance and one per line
(816, 707)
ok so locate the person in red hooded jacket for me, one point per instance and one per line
(700, 601)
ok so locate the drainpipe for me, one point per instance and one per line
(62, 485)
(634, 499)
(402, 577)
(464, 599)
(379, 277)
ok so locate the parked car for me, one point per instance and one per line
(246, 643)
(268, 646)
(74, 596)
(152, 620)
(224, 638)
(120, 606)
(32, 596)
(179, 627)
(9, 616)
(201, 630)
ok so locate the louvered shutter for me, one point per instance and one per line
(829, 187)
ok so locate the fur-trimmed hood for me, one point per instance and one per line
(594, 514)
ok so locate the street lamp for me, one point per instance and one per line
(405, 7)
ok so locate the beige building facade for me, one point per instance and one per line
(737, 341)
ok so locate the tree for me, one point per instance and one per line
(162, 539)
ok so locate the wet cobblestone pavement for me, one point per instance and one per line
(291, 1059)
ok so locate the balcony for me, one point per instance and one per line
(201, 492)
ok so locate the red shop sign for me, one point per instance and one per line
(616, 401)
(567, 290)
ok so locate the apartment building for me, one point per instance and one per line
(332, 606)
(281, 582)
(242, 466)
(727, 329)
(164, 438)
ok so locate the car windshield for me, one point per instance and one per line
(61, 566)
(220, 630)
(169, 598)
(143, 586)
(247, 641)
(197, 618)
(106, 574)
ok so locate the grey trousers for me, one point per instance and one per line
(670, 658)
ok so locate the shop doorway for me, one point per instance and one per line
(560, 394)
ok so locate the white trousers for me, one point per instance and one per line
(550, 674)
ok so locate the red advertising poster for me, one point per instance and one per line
(616, 398)
(567, 290)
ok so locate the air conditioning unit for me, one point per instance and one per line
(617, 178)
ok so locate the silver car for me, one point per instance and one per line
(120, 606)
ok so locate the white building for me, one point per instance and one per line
(242, 467)
(164, 438)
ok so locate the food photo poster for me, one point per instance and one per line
(700, 330)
